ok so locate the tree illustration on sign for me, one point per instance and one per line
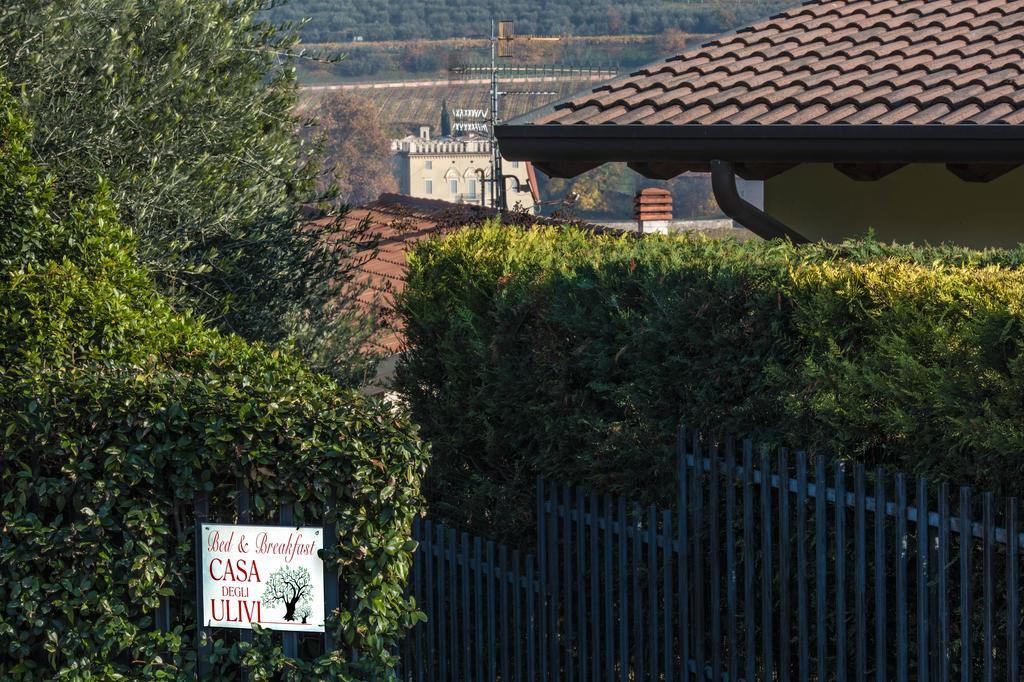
(291, 587)
(304, 611)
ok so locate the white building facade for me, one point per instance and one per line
(457, 170)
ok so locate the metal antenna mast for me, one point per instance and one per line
(501, 47)
(499, 200)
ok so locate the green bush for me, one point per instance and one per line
(576, 356)
(115, 410)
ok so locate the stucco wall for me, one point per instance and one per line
(917, 203)
(413, 176)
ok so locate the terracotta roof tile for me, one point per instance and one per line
(946, 62)
(387, 229)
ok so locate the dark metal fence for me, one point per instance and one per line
(772, 567)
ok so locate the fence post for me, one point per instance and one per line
(767, 635)
(902, 626)
(750, 627)
(820, 588)
(943, 587)
(684, 580)
(624, 598)
(243, 510)
(861, 570)
(714, 542)
(609, 631)
(730, 557)
(966, 540)
(988, 585)
(880, 579)
(923, 534)
(840, 573)
(289, 640)
(784, 568)
(803, 624)
(1013, 590)
(542, 570)
(331, 571)
(203, 644)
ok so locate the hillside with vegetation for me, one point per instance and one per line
(373, 20)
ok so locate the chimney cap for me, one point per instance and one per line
(653, 209)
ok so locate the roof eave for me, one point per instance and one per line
(567, 150)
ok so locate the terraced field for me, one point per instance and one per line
(403, 108)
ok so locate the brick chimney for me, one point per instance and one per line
(653, 210)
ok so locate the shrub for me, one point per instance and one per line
(115, 410)
(575, 356)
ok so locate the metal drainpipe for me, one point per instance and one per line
(723, 183)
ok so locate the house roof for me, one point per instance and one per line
(913, 80)
(388, 229)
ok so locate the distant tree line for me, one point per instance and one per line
(346, 20)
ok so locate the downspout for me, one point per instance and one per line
(723, 183)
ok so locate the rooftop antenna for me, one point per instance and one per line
(503, 37)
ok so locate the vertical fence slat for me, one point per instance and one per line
(697, 504)
(478, 632)
(581, 593)
(784, 569)
(442, 605)
(609, 623)
(767, 639)
(244, 511)
(623, 595)
(504, 614)
(542, 570)
(1012, 592)
(840, 570)
(966, 542)
(652, 591)
(532, 630)
(715, 555)
(554, 597)
(902, 621)
(517, 614)
(989, 589)
(492, 631)
(595, 605)
(749, 626)
(860, 578)
(332, 586)
(464, 580)
(683, 542)
(666, 596)
(571, 581)
(289, 640)
(432, 619)
(820, 486)
(730, 556)
(638, 624)
(923, 534)
(942, 586)
(803, 624)
(204, 645)
(881, 562)
(420, 558)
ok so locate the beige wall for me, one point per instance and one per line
(917, 203)
(414, 174)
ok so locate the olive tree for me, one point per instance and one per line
(186, 108)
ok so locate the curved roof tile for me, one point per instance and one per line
(944, 62)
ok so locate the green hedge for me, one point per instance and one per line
(115, 410)
(576, 356)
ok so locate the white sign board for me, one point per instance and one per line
(268, 575)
